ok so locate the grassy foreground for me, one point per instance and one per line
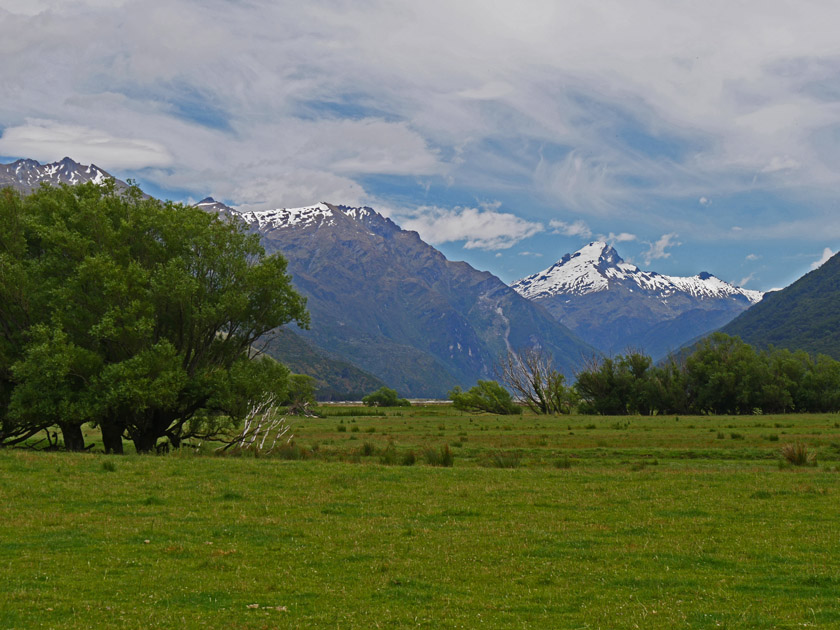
(657, 523)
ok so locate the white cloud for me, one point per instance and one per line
(481, 229)
(752, 257)
(621, 237)
(704, 201)
(658, 249)
(743, 281)
(827, 253)
(50, 141)
(533, 254)
(576, 228)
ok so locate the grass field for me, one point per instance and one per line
(597, 522)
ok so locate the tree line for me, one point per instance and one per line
(137, 316)
(720, 375)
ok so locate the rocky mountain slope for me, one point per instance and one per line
(26, 175)
(616, 306)
(803, 316)
(396, 307)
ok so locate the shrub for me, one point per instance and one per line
(385, 397)
(487, 396)
(797, 454)
(409, 459)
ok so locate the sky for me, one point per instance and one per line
(693, 136)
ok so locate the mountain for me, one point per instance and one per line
(803, 316)
(335, 379)
(26, 175)
(616, 306)
(393, 305)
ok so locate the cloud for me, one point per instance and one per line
(576, 228)
(621, 237)
(50, 141)
(533, 254)
(704, 201)
(658, 249)
(827, 253)
(752, 257)
(743, 281)
(481, 229)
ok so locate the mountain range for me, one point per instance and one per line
(394, 306)
(615, 306)
(388, 308)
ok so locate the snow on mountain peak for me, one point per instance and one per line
(318, 214)
(597, 266)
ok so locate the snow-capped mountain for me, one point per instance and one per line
(614, 305)
(27, 175)
(395, 306)
(598, 267)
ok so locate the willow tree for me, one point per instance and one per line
(136, 315)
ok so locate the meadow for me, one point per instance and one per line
(540, 522)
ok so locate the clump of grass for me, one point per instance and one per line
(388, 456)
(290, 451)
(371, 430)
(354, 429)
(368, 449)
(720, 435)
(772, 438)
(736, 436)
(796, 454)
(409, 459)
(439, 457)
(341, 428)
(504, 459)
(109, 466)
(564, 462)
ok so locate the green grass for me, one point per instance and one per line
(655, 524)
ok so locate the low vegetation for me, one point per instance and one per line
(436, 518)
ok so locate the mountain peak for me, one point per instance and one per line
(598, 267)
(26, 175)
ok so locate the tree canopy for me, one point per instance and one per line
(486, 396)
(385, 397)
(133, 314)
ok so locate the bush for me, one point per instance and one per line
(487, 396)
(385, 397)
(797, 454)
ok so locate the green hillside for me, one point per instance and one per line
(803, 316)
(335, 379)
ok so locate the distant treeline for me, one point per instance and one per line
(722, 375)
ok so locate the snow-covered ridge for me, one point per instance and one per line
(31, 173)
(278, 218)
(597, 266)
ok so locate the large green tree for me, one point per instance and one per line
(136, 315)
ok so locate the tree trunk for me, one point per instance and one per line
(145, 442)
(112, 437)
(73, 438)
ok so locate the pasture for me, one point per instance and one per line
(541, 522)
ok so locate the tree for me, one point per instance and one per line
(486, 396)
(531, 377)
(136, 315)
(385, 397)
